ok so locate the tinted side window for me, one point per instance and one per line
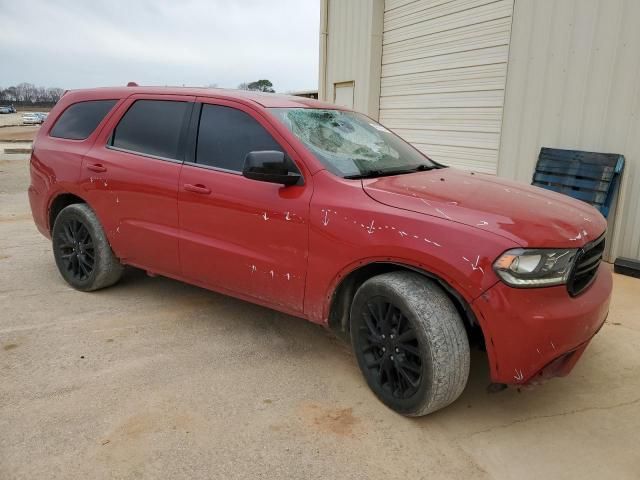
(152, 127)
(226, 135)
(80, 119)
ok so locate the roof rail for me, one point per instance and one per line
(132, 84)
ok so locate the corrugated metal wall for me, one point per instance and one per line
(574, 82)
(444, 67)
(351, 42)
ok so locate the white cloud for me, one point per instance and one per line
(75, 43)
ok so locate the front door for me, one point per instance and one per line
(241, 236)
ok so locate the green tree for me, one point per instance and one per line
(261, 86)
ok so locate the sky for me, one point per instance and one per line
(91, 43)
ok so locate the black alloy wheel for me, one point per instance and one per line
(82, 251)
(389, 346)
(76, 249)
(410, 342)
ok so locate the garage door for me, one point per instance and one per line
(444, 66)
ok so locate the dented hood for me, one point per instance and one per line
(530, 216)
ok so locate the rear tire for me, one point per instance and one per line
(410, 342)
(81, 250)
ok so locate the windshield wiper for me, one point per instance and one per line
(385, 173)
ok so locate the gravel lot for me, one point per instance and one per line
(10, 119)
(156, 379)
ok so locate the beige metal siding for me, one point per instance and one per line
(574, 82)
(350, 51)
(444, 66)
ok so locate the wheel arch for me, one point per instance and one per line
(344, 292)
(58, 202)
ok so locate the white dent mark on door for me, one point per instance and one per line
(272, 273)
(265, 216)
(105, 184)
(425, 202)
(518, 377)
(325, 217)
(587, 219)
(482, 223)
(117, 199)
(370, 228)
(402, 233)
(288, 275)
(287, 216)
(253, 269)
(552, 345)
(452, 203)
(91, 179)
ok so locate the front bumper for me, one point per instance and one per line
(540, 332)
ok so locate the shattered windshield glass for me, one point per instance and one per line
(350, 144)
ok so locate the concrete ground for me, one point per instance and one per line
(157, 379)
(19, 133)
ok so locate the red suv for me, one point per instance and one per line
(323, 213)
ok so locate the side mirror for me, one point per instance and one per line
(270, 166)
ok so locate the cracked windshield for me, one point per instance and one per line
(350, 144)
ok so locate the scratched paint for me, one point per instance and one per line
(443, 214)
(474, 265)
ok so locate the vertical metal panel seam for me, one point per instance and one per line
(506, 82)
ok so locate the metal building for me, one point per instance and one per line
(484, 84)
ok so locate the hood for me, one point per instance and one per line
(530, 216)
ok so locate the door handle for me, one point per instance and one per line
(96, 167)
(198, 188)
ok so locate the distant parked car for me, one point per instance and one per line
(7, 109)
(31, 119)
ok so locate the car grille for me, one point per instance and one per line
(586, 267)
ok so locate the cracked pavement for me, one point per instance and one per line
(156, 379)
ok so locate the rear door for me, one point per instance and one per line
(131, 179)
(241, 236)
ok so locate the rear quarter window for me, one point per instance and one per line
(79, 120)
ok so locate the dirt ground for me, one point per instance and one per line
(19, 133)
(157, 379)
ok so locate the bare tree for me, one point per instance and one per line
(29, 93)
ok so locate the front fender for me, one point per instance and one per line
(344, 236)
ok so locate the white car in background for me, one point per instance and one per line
(31, 119)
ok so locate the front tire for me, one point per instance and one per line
(81, 250)
(410, 342)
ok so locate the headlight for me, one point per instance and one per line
(535, 268)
